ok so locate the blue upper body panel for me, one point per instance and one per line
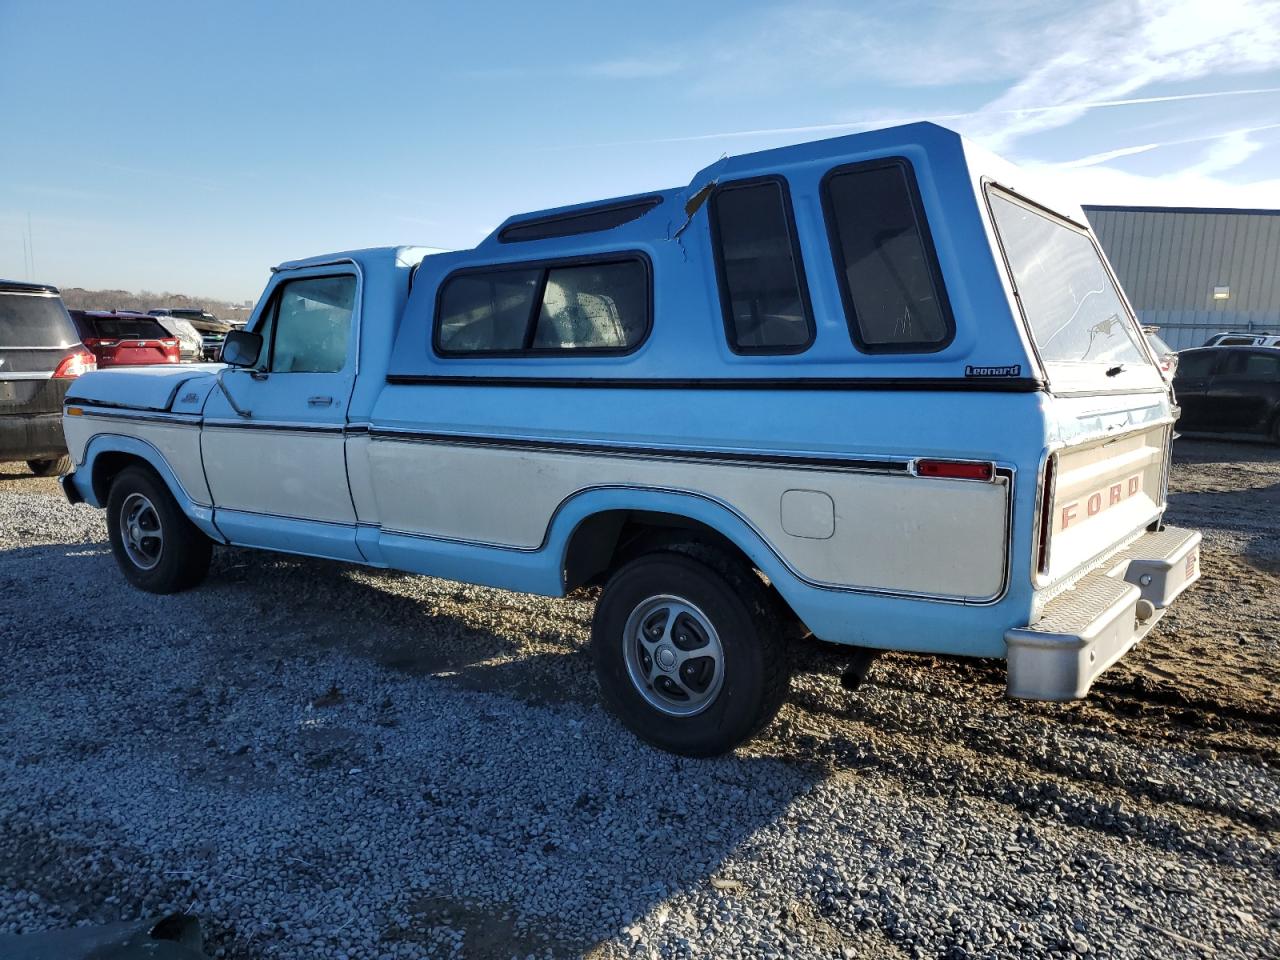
(688, 339)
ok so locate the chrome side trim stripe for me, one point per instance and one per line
(897, 466)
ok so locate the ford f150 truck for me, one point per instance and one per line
(883, 388)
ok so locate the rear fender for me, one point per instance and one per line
(694, 506)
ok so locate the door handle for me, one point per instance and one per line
(319, 401)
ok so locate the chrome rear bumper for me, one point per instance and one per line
(1092, 625)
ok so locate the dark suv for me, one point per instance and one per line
(1232, 390)
(40, 354)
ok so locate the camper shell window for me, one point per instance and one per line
(894, 297)
(589, 305)
(591, 220)
(1071, 303)
(763, 295)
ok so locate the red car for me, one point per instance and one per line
(119, 338)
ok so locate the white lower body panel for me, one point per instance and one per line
(854, 529)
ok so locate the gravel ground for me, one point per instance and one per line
(323, 761)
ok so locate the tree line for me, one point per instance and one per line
(78, 298)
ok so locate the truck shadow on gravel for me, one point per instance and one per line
(563, 831)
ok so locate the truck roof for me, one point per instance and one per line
(367, 257)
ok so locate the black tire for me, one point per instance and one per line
(53, 467)
(744, 617)
(179, 555)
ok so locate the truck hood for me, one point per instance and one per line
(162, 387)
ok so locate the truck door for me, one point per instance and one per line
(1240, 392)
(278, 475)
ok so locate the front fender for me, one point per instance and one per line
(109, 443)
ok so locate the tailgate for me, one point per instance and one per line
(1103, 492)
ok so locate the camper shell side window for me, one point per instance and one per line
(894, 297)
(601, 304)
(764, 298)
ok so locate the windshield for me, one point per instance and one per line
(34, 320)
(1072, 306)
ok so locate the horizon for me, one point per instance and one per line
(265, 135)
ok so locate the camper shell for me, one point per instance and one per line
(887, 375)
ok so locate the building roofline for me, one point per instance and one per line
(1119, 208)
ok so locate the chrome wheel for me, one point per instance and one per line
(140, 531)
(674, 656)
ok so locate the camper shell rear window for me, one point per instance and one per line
(1071, 303)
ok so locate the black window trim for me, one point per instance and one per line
(926, 240)
(797, 262)
(641, 206)
(269, 313)
(545, 266)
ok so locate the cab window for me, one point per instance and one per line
(308, 328)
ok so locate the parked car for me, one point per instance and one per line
(743, 424)
(1243, 340)
(1166, 356)
(1230, 390)
(212, 330)
(190, 343)
(121, 339)
(40, 355)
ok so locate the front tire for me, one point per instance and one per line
(156, 547)
(689, 651)
(52, 467)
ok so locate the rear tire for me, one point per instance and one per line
(156, 547)
(689, 651)
(53, 467)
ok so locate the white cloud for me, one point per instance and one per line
(1201, 184)
(1117, 49)
(957, 120)
(919, 43)
(1107, 185)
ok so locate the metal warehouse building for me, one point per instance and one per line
(1195, 271)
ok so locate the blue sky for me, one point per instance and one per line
(187, 147)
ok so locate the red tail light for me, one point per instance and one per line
(82, 361)
(955, 469)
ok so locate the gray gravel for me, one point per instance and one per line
(322, 761)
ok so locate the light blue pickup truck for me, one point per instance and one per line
(883, 388)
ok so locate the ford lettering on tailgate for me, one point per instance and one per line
(1084, 507)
